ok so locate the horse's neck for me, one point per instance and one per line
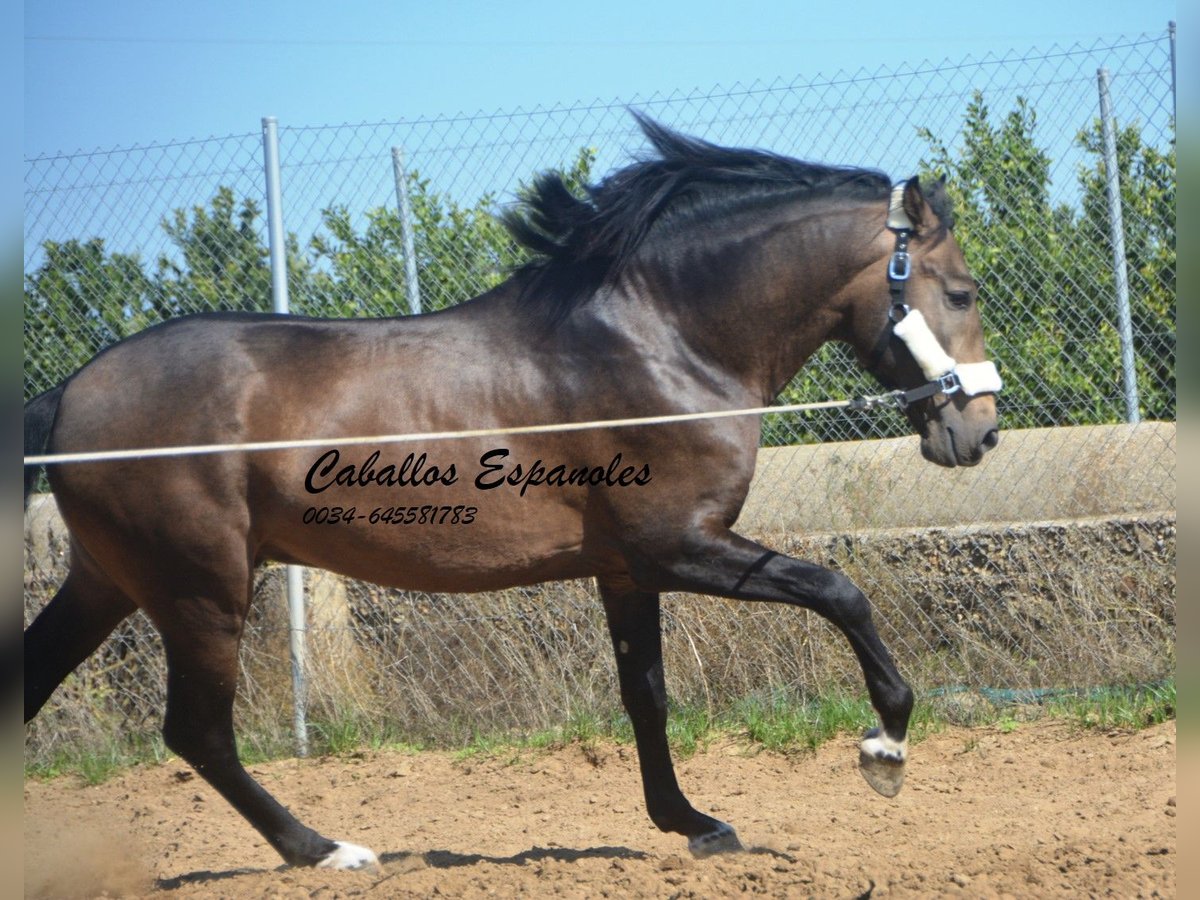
(759, 302)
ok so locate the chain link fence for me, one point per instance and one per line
(1052, 565)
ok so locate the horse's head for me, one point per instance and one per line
(919, 329)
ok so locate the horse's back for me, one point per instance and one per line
(154, 388)
(196, 379)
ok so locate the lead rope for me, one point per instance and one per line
(858, 403)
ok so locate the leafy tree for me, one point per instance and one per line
(222, 265)
(1045, 271)
(1025, 254)
(365, 273)
(83, 298)
(461, 251)
(1147, 179)
(80, 300)
(1046, 281)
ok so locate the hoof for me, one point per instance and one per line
(722, 840)
(881, 761)
(349, 856)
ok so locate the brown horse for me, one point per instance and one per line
(700, 279)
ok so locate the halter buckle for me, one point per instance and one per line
(944, 384)
(899, 266)
(949, 383)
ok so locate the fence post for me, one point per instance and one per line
(1116, 226)
(279, 302)
(412, 285)
(1174, 104)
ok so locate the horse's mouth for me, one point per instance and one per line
(947, 460)
(950, 455)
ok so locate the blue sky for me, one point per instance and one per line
(100, 74)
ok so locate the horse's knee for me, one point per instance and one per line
(844, 602)
(181, 738)
(200, 735)
(643, 691)
(644, 703)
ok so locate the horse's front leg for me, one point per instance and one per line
(633, 623)
(722, 563)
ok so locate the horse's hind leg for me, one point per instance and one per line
(633, 622)
(201, 636)
(82, 614)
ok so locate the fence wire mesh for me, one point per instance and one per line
(1051, 565)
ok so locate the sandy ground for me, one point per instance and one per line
(1041, 811)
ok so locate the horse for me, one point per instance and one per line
(697, 278)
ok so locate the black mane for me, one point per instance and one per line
(580, 243)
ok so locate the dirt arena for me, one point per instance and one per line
(1039, 811)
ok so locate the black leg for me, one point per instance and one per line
(722, 563)
(633, 623)
(202, 666)
(66, 632)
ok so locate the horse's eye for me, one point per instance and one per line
(959, 299)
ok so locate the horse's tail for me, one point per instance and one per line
(40, 413)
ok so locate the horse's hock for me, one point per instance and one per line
(969, 550)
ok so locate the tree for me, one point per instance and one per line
(1044, 269)
(1147, 179)
(80, 300)
(1046, 281)
(83, 298)
(461, 251)
(222, 263)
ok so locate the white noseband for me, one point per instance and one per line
(936, 363)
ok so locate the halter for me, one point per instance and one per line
(945, 375)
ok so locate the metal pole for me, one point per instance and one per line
(297, 621)
(412, 284)
(1174, 105)
(278, 247)
(1117, 231)
(297, 644)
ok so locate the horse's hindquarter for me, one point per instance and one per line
(447, 515)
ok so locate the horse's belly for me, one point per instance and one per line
(434, 540)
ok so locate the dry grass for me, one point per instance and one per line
(1080, 605)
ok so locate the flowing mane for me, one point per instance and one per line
(579, 244)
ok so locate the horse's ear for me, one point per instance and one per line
(914, 202)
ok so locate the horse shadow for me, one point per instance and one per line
(448, 859)
(434, 859)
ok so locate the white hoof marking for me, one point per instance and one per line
(723, 839)
(349, 856)
(881, 760)
(881, 747)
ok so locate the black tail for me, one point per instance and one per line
(40, 413)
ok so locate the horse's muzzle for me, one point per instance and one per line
(957, 445)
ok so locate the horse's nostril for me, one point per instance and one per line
(991, 439)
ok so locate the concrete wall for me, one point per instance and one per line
(1046, 474)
